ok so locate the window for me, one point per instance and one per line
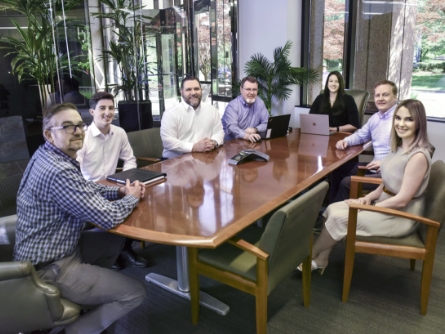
(333, 37)
(371, 40)
(428, 77)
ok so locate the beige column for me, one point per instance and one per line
(385, 46)
(316, 46)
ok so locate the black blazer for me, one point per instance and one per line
(348, 116)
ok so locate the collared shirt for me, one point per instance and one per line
(100, 153)
(53, 202)
(239, 115)
(182, 127)
(378, 129)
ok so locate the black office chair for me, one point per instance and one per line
(26, 302)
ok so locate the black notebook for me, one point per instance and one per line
(142, 175)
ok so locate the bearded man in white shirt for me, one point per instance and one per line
(191, 126)
(103, 146)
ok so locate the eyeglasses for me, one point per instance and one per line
(251, 90)
(70, 129)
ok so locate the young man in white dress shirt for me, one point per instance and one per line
(191, 126)
(103, 146)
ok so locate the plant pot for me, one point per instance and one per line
(134, 116)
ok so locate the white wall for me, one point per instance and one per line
(264, 25)
(436, 136)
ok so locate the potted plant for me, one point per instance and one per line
(127, 50)
(275, 78)
(35, 54)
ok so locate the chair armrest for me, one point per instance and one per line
(361, 170)
(363, 179)
(356, 184)
(247, 247)
(148, 159)
(14, 270)
(22, 269)
(393, 212)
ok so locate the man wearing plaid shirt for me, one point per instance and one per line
(53, 202)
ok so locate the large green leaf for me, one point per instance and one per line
(275, 78)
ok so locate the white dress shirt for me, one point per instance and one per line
(100, 153)
(182, 127)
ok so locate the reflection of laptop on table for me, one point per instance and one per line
(315, 124)
(313, 145)
(277, 126)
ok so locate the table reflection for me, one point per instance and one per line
(204, 199)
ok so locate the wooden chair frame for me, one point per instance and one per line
(258, 288)
(353, 246)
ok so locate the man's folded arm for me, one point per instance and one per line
(90, 202)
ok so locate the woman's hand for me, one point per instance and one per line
(362, 200)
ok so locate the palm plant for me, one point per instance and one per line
(275, 78)
(128, 48)
(35, 54)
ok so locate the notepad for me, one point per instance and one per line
(142, 175)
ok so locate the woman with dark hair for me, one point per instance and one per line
(405, 174)
(341, 107)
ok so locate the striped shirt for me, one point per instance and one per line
(53, 202)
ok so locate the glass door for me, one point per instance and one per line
(215, 30)
(164, 57)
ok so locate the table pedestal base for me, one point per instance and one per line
(205, 300)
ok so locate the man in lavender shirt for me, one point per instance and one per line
(378, 130)
(246, 115)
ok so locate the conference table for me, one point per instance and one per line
(204, 201)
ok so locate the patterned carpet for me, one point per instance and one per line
(384, 298)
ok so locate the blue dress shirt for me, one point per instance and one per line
(239, 116)
(377, 129)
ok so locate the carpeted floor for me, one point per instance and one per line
(384, 298)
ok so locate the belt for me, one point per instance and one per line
(388, 192)
(42, 265)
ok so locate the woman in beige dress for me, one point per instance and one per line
(405, 175)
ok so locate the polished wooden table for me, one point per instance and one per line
(205, 201)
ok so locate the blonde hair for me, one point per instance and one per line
(417, 112)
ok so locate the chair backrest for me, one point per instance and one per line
(361, 99)
(146, 143)
(434, 196)
(9, 186)
(288, 233)
(7, 237)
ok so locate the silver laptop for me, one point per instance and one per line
(315, 124)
